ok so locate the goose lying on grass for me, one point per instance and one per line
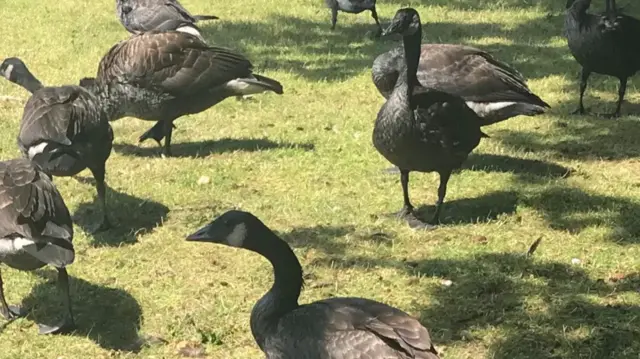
(348, 328)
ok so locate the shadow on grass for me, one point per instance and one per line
(482, 209)
(581, 138)
(486, 162)
(571, 209)
(206, 148)
(529, 309)
(130, 216)
(108, 316)
(541, 310)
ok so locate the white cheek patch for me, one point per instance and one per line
(7, 72)
(236, 237)
(34, 150)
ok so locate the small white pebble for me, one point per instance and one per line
(203, 180)
(446, 282)
(576, 261)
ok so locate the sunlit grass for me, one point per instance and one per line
(304, 163)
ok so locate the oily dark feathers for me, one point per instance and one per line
(446, 119)
(61, 115)
(478, 75)
(395, 329)
(163, 15)
(464, 71)
(31, 206)
(173, 62)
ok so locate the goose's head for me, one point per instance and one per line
(233, 228)
(406, 22)
(13, 68)
(124, 6)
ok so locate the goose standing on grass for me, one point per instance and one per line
(63, 129)
(161, 76)
(492, 88)
(138, 16)
(35, 230)
(353, 7)
(601, 49)
(346, 328)
(422, 129)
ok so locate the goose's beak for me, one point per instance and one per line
(201, 235)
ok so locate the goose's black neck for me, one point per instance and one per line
(282, 298)
(579, 7)
(28, 82)
(412, 57)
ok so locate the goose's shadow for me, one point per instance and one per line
(473, 210)
(581, 138)
(495, 291)
(130, 216)
(110, 317)
(205, 148)
(573, 210)
(487, 162)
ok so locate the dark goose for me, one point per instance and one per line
(35, 230)
(161, 76)
(422, 129)
(346, 328)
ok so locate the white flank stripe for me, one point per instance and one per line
(34, 150)
(190, 30)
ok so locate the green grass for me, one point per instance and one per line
(304, 163)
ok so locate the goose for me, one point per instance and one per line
(67, 120)
(349, 328)
(492, 88)
(138, 16)
(602, 47)
(353, 7)
(161, 76)
(420, 128)
(35, 230)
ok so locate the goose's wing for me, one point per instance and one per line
(357, 327)
(31, 207)
(447, 119)
(173, 62)
(472, 74)
(61, 115)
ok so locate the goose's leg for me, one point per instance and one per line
(584, 76)
(99, 174)
(442, 192)
(334, 16)
(374, 15)
(621, 92)
(67, 323)
(168, 130)
(406, 212)
(8, 312)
